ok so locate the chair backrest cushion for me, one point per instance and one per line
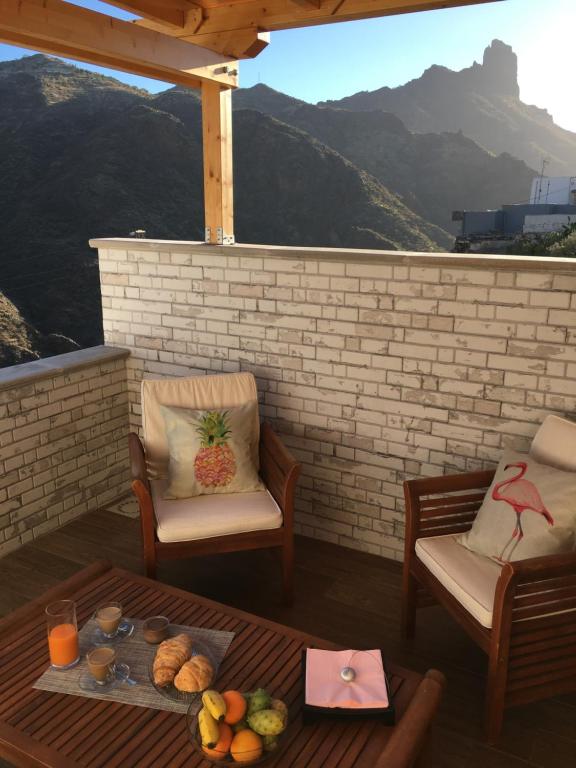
(555, 443)
(201, 392)
(528, 511)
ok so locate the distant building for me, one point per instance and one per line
(558, 190)
(552, 206)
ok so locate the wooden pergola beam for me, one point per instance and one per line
(217, 145)
(67, 30)
(237, 43)
(273, 15)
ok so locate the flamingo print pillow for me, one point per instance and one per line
(210, 451)
(528, 511)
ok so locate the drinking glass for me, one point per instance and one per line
(102, 664)
(62, 628)
(108, 618)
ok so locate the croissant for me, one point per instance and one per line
(170, 657)
(195, 675)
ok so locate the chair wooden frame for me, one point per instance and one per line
(531, 646)
(409, 737)
(279, 472)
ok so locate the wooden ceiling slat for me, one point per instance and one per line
(168, 12)
(273, 15)
(235, 27)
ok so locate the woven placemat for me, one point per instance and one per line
(138, 654)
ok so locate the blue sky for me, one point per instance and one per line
(335, 60)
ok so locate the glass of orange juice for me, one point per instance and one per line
(62, 634)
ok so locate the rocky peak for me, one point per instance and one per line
(498, 73)
(500, 65)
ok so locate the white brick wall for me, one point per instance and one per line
(374, 367)
(63, 432)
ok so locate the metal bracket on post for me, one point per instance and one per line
(223, 239)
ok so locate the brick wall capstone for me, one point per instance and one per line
(373, 366)
(63, 440)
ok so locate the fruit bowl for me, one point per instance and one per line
(238, 744)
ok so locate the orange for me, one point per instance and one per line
(220, 751)
(235, 707)
(246, 746)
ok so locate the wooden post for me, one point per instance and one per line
(218, 185)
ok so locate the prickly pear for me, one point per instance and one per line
(270, 743)
(279, 706)
(266, 722)
(260, 699)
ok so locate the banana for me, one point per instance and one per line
(209, 731)
(215, 704)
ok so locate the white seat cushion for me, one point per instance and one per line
(469, 577)
(203, 517)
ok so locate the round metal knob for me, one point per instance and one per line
(348, 674)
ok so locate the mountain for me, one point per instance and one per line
(302, 192)
(91, 157)
(482, 101)
(20, 342)
(83, 155)
(433, 174)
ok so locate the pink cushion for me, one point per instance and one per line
(326, 688)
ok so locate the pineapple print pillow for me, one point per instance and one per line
(210, 451)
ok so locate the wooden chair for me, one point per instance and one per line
(522, 614)
(409, 736)
(278, 470)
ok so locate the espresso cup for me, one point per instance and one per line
(108, 617)
(101, 663)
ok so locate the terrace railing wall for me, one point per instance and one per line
(374, 366)
(63, 438)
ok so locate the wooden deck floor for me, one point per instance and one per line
(348, 597)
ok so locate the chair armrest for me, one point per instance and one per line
(279, 470)
(530, 592)
(409, 735)
(142, 491)
(440, 505)
(138, 467)
(535, 586)
(544, 567)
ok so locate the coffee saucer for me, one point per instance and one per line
(125, 629)
(121, 675)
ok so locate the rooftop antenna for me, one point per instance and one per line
(545, 162)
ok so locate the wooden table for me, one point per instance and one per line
(38, 728)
